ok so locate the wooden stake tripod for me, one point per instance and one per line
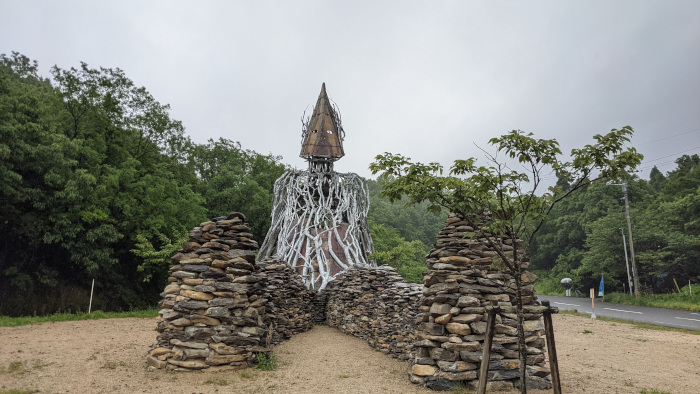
(546, 312)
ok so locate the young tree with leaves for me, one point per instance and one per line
(512, 199)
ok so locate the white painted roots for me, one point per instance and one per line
(319, 224)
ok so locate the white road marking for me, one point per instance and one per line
(621, 310)
(685, 318)
(680, 325)
(563, 303)
(693, 313)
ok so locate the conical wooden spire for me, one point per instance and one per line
(323, 136)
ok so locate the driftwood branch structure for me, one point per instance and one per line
(319, 217)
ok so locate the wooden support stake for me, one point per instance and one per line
(92, 289)
(486, 355)
(551, 349)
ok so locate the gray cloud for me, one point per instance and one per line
(425, 79)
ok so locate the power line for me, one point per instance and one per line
(670, 136)
(671, 155)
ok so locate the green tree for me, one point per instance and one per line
(233, 178)
(392, 249)
(657, 179)
(412, 221)
(511, 197)
(89, 163)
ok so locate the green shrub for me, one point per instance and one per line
(266, 362)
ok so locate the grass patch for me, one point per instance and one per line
(587, 332)
(648, 326)
(629, 384)
(18, 391)
(6, 321)
(266, 362)
(113, 365)
(343, 376)
(682, 301)
(248, 375)
(217, 382)
(39, 364)
(653, 391)
(17, 368)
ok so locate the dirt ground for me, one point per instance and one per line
(108, 356)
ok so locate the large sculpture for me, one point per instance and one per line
(319, 217)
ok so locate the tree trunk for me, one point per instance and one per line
(522, 349)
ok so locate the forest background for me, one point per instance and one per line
(98, 182)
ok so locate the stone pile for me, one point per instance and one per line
(319, 303)
(290, 302)
(213, 312)
(463, 280)
(375, 304)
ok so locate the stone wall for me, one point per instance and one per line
(289, 307)
(375, 304)
(220, 309)
(462, 280)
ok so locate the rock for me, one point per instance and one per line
(533, 325)
(440, 385)
(478, 327)
(172, 288)
(456, 366)
(503, 329)
(440, 309)
(154, 362)
(219, 359)
(465, 319)
(159, 351)
(444, 319)
(457, 260)
(199, 319)
(196, 295)
(466, 301)
(458, 328)
(464, 346)
(224, 349)
(183, 274)
(458, 376)
(218, 311)
(423, 370)
(189, 364)
(433, 329)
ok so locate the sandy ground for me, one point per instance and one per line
(108, 356)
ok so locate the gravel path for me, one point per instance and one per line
(107, 356)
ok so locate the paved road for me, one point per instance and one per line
(658, 316)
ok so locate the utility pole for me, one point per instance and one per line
(627, 263)
(635, 278)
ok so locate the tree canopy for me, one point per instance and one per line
(95, 173)
(582, 237)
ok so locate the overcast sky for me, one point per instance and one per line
(427, 79)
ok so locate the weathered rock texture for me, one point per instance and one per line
(220, 309)
(462, 280)
(375, 304)
(290, 303)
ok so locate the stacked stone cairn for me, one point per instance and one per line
(218, 312)
(375, 304)
(461, 282)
